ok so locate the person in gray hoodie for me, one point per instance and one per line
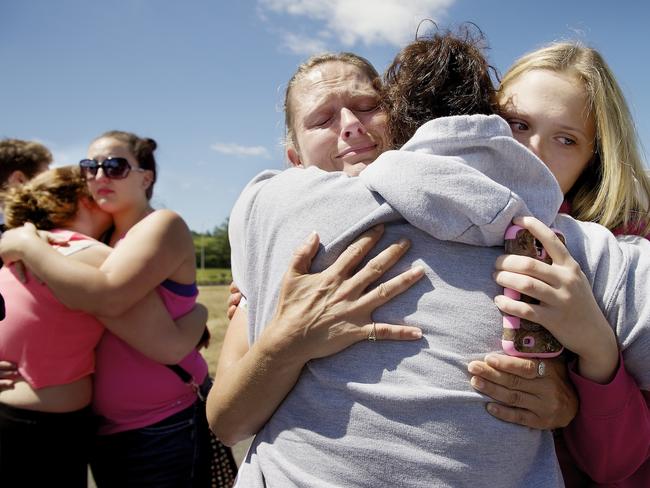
(404, 414)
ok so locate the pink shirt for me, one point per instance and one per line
(51, 344)
(132, 391)
(610, 437)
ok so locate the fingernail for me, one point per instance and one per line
(417, 270)
(477, 382)
(417, 334)
(312, 236)
(404, 242)
(474, 368)
(492, 408)
(492, 360)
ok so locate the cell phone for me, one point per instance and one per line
(521, 337)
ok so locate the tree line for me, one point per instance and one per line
(212, 248)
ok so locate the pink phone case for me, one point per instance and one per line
(522, 337)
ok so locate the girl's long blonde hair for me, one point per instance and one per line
(614, 190)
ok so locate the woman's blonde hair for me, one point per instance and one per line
(614, 190)
(49, 200)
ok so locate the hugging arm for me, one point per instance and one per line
(147, 326)
(318, 315)
(610, 435)
(150, 253)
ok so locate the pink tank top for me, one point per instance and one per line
(132, 391)
(51, 344)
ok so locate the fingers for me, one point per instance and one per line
(302, 256)
(526, 285)
(231, 311)
(551, 242)
(484, 373)
(8, 371)
(523, 310)
(389, 332)
(519, 416)
(524, 397)
(51, 238)
(355, 252)
(377, 266)
(390, 289)
(234, 298)
(526, 266)
(521, 367)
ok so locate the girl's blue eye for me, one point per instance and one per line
(517, 125)
(567, 141)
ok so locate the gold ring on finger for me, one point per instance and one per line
(372, 337)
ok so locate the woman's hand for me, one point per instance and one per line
(318, 315)
(233, 300)
(13, 241)
(567, 305)
(8, 375)
(526, 398)
(322, 313)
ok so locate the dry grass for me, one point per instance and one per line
(214, 298)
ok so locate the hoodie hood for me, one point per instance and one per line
(464, 179)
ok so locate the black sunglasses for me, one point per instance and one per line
(114, 168)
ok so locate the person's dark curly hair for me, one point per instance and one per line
(437, 75)
(30, 157)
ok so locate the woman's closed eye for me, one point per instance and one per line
(320, 121)
(367, 108)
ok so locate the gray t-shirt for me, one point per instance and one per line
(390, 414)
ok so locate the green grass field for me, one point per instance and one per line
(213, 276)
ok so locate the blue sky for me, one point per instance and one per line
(206, 78)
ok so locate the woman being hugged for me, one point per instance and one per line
(45, 416)
(152, 422)
(564, 104)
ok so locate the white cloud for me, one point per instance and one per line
(241, 151)
(362, 21)
(303, 44)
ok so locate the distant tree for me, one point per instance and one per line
(215, 247)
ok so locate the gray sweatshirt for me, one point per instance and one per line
(389, 414)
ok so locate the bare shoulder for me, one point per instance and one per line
(163, 223)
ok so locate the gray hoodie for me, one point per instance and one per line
(389, 414)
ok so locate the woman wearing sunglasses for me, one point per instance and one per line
(45, 418)
(152, 422)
